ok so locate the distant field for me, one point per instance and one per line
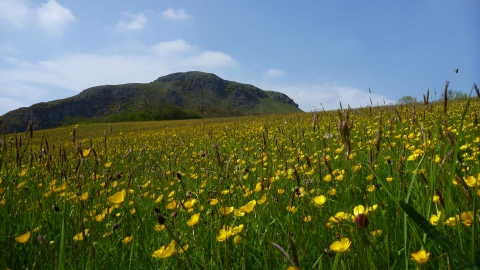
(393, 187)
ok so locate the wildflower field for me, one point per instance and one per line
(391, 187)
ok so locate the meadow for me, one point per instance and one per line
(388, 187)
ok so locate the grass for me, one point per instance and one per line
(348, 189)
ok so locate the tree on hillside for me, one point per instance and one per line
(407, 100)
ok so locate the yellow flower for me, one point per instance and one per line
(172, 205)
(357, 168)
(238, 229)
(226, 210)
(332, 192)
(371, 188)
(79, 236)
(190, 203)
(280, 191)
(118, 197)
(327, 178)
(369, 177)
(319, 200)
(84, 196)
(238, 213)
(263, 199)
(389, 179)
(434, 218)
(420, 257)
(22, 173)
(159, 227)
(291, 208)
(452, 221)
(193, 219)
(23, 239)
(86, 153)
(238, 240)
(307, 218)
(359, 210)
(224, 233)
(436, 199)
(341, 246)
(213, 201)
(127, 239)
(183, 249)
(467, 218)
(248, 208)
(108, 164)
(373, 208)
(471, 181)
(340, 216)
(159, 199)
(100, 217)
(163, 252)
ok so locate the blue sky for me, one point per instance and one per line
(317, 52)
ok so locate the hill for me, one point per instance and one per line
(199, 92)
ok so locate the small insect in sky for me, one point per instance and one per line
(456, 70)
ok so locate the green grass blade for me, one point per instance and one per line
(61, 262)
(440, 240)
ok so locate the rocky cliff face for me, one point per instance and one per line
(204, 93)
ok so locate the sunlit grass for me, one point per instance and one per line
(306, 190)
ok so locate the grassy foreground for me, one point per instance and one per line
(374, 188)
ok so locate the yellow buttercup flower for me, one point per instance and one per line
(193, 219)
(420, 257)
(79, 236)
(263, 199)
(434, 218)
(341, 246)
(190, 203)
(467, 218)
(23, 239)
(224, 233)
(319, 200)
(238, 213)
(163, 252)
(118, 197)
(238, 240)
(127, 239)
(86, 153)
(248, 208)
(226, 210)
(452, 221)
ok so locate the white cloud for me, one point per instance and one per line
(172, 47)
(14, 12)
(309, 97)
(274, 73)
(38, 81)
(179, 14)
(209, 59)
(136, 22)
(53, 17)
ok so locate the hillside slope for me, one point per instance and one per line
(205, 93)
